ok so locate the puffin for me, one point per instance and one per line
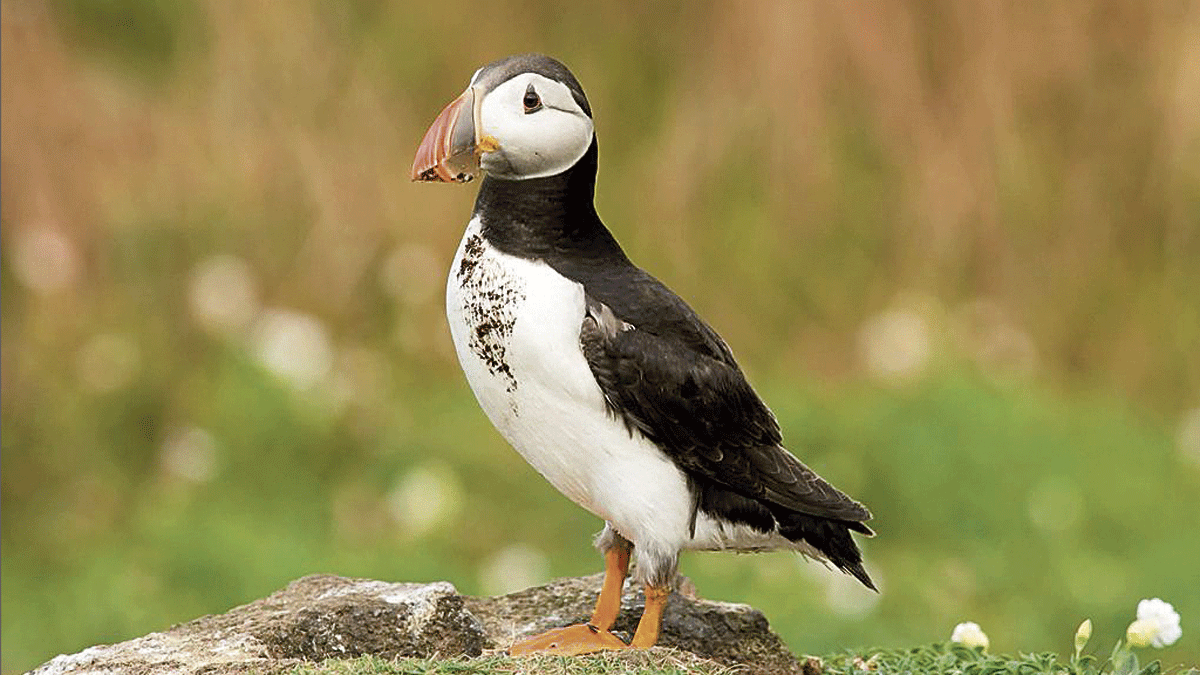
(600, 376)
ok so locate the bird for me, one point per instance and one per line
(602, 378)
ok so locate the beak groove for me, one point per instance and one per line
(447, 153)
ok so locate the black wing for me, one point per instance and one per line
(676, 383)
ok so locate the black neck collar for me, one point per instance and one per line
(548, 218)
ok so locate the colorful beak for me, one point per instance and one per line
(450, 150)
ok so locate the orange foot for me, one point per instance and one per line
(578, 639)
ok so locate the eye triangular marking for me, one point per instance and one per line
(531, 100)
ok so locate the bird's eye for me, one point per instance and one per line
(531, 101)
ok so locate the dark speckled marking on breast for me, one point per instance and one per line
(472, 252)
(490, 298)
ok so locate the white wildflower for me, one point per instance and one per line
(1157, 625)
(970, 634)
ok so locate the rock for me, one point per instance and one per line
(312, 619)
(322, 617)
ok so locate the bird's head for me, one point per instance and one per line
(521, 117)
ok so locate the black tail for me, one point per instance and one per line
(831, 537)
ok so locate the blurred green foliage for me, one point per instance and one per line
(955, 248)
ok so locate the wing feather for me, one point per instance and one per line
(698, 407)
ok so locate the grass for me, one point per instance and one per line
(655, 662)
(932, 659)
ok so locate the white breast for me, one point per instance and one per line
(515, 325)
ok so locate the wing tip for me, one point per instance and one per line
(859, 572)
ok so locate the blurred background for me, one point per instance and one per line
(955, 247)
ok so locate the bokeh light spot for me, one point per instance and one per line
(513, 568)
(222, 294)
(1188, 437)
(895, 344)
(44, 259)
(294, 346)
(426, 497)
(189, 454)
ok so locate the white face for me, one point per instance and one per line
(540, 128)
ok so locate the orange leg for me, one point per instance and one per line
(651, 622)
(616, 568)
(592, 636)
